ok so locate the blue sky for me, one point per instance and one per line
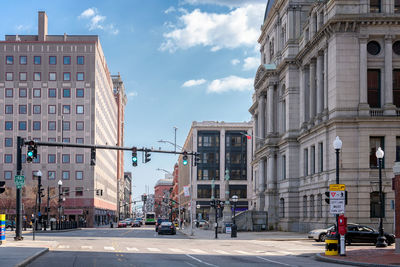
(181, 61)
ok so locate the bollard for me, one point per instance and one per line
(2, 228)
(234, 230)
(331, 246)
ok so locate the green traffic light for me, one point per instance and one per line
(134, 159)
(185, 162)
(30, 153)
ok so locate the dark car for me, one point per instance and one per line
(357, 233)
(166, 228)
(136, 224)
(159, 221)
(140, 220)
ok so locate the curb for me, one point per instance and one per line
(30, 259)
(319, 257)
(56, 231)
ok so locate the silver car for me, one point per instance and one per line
(320, 234)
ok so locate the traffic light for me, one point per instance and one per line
(196, 158)
(2, 187)
(41, 192)
(185, 158)
(144, 197)
(327, 200)
(30, 154)
(134, 157)
(147, 156)
(92, 157)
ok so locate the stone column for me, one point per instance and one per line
(270, 106)
(261, 184)
(363, 107)
(312, 91)
(261, 117)
(320, 86)
(221, 165)
(326, 83)
(271, 193)
(396, 172)
(302, 105)
(390, 109)
(271, 177)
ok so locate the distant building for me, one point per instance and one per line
(126, 205)
(162, 194)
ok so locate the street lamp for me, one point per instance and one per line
(381, 242)
(235, 199)
(337, 145)
(59, 202)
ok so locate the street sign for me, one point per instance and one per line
(337, 206)
(336, 195)
(19, 181)
(337, 187)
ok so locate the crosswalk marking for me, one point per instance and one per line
(221, 252)
(154, 249)
(86, 247)
(197, 250)
(63, 246)
(242, 252)
(109, 248)
(132, 249)
(176, 250)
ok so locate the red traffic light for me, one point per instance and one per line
(248, 136)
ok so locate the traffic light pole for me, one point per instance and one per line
(18, 228)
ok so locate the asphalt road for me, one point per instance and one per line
(143, 247)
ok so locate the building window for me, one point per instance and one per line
(67, 60)
(397, 148)
(79, 175)
(79, 126)
(312, 207)
(282, 208)
(66, 93)
(66, 109)
(79, 109)
(305, 207)
(375, 206)
(52, 109)
(37, 159)
(9, 92)
(37, 60)
(79, 158)
(65, 190)
(312, 160)
(52, 93)
(374, 143)
(37, 92)
(283, 167)
(66, 126)
(211, 140)
(22, 76)
(80, 92)
(320, 157)
(23, 60)
(22, 125)
(51, 175)
(51, 139)
(305, 162)
(207, 174)
(204, 191)
(79, 140)
(396, 87)
(51, 158)
(36, 109)
(8, 142)
(37, 76)
(67, 76)
(36, 126)
(396, 6)
(374, 6)
(319, 206)
(7, 175)
(7, 158)
(238, 190)
(373, 48)
(52, 76)
(80, 60)
(9, 76)
(52, 125)
(65, 158)
(65, 175)
(284, 116)
(78, 191)
(8, 125)
(374, 88)
(8, 109)
(22, 92)
(9, 60)
(80, 76)
(66, 140)
(52, 60)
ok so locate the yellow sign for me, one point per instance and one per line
(337, 187)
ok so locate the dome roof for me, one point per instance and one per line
(268, 8)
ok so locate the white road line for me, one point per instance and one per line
(86, 247)
(190, 264)
(154, 249)
(63, 246)
(109, 248)
(221, 252)
(196, 259)
(132, 249)
(277, 262)
(197, 250)
(242, 252)
(176, 250)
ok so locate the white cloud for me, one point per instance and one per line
(191, 83)
(235, 61)
(96, 21)
(170, 9)
(132, 94)
(230, 83)
(23, 28)
(240, 27)
(251, 63)
(229, 3)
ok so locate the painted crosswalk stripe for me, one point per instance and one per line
(86, 247)
(109, 248)
(132, 249)
(221, 252)
(63, 246)
(176, 250)
(154, 249)
(197, 250)
(242, 252)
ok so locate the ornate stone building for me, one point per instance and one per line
(328, 68)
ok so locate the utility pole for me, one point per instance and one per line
(18, 230)
(48, 207)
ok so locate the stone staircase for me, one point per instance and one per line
(251, 220)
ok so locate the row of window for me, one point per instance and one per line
(37, 60)
(51, 93)
(37, 125)
(309, 162)
(37, 76)
(51, 175)
(37, 109)
(374, 48)
(374, 88)
(8, 141)
(205, 191)
(375, 6)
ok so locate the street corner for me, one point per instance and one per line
(20, 256)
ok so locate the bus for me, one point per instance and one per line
(150, 218)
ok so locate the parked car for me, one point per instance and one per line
(166, 228)
(320, 234)
(357, 233)
(122, 224)
(129, 221)
(140, 220)
(136, 224)
(200, 223)
(159, 221)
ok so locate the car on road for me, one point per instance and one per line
(129, 221)
(166, 228)
(320, 234)
(159, 221)
(200, 223)
(122, 224)
(136, 224)
(140, 220)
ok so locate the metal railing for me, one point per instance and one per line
(376, 112)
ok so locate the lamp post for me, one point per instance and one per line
(381, 242)
(337, 145)
(198, 219)
(234, 227)
(59, 202)
(38, 174)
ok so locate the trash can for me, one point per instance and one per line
(234, 230)
(331, 246)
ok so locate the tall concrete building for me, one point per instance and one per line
(58, 88)
(328, 68)
(223, 146)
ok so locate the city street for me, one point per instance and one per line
(143, 247)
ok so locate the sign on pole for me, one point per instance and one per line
(337, 187)
(337, 206)
(19, 181)
(186, 191)
(337, 197)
